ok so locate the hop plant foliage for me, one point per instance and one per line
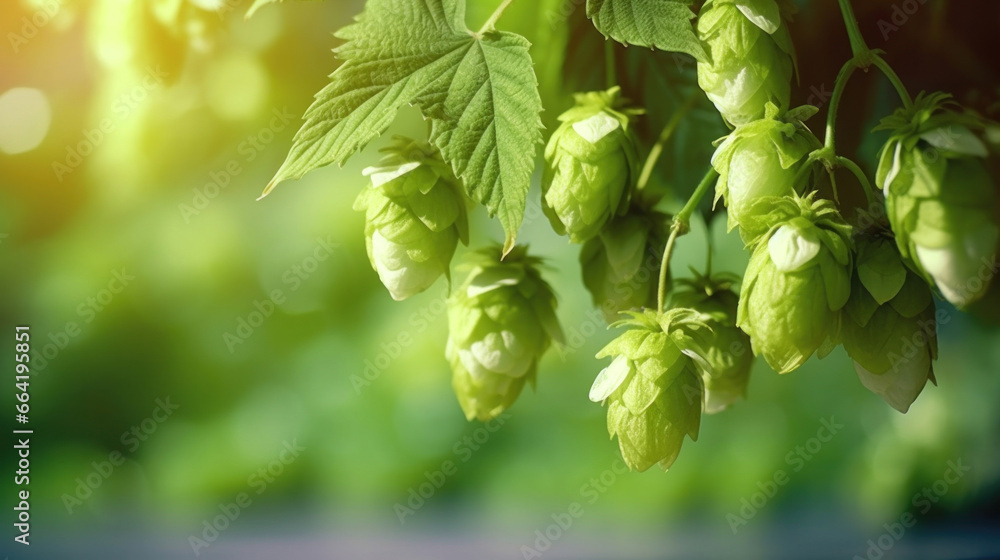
(940, 198)
(414, 217)
(813, 281)
(500, 322)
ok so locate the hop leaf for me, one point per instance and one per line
(940, 198)
(479, 91)
(415, 214)
(591, 165)
(751, 57)
(652, 388)
(500, 321)
(664, 24)
(797, 281)
(889, 327)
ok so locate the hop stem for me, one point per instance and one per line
(491, 23)
(679, 227)
(610, 74)
(665, 134)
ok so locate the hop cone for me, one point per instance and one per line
(762, 159)
(500, 321)
(652, 388)
(591, 163)
(889, 325)
(752, 57)
(620, 265)
(797, 282)
(415, 214)
(727, 352)
(940, 198)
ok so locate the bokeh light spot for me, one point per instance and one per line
(236, 85)
(25, 117)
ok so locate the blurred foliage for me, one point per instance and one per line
(167, 195)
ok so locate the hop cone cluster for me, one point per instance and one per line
(415, 215)
(941, 201)
(751, 57)
(591, 165)
(500, 322)
(653, 389)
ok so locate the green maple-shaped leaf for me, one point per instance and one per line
(663, 24)
(478, 89)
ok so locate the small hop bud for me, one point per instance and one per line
(652, 388)
(751, 57)
(620, 265)
(797, 282)
(762, 159)
(889, 324)
(591, 164)
(415, 214)
(500, 321)
(940, 199)
(727, 353)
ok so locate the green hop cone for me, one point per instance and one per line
(620, 265)
(500, 321)
(415, 214)
(889, 324)
(652, 388)
(728, 356)
(752, 57)
(762, 159)
(591, 165)
(797, 281)
(940, 199)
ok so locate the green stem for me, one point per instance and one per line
(679, 227)
(838, 92)
(862, 178)
(668, 131)
(610, 74)
(894, 79)
(490, 24)
(858, 46)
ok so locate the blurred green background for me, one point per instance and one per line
(134, 139)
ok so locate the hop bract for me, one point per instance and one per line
(652, 388)
(621, 264)
(751, 57)
(727, 353)
(415, 214)
(797, 281)
(940, 198)
(762, 159)
(500, 321)
(889, 326)
(591, 165)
